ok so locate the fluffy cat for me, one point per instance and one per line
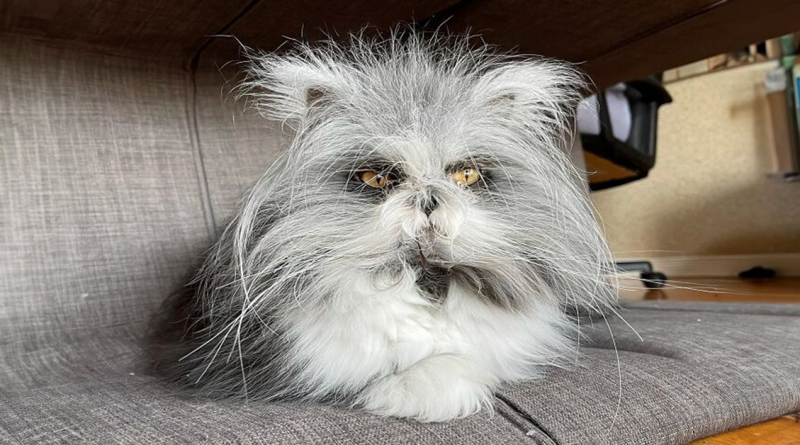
(422, 238)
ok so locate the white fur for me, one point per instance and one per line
(316, 290)
(431, 363)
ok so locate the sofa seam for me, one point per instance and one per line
(197, 155)
(532, 424)
(194, 129)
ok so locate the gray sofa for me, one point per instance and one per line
(121, 156)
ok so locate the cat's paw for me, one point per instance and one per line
(437, 389)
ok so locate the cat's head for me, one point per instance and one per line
(422, 155)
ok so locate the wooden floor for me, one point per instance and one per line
(784, 290)
(781, 431)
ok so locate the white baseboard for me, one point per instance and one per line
(785, 264)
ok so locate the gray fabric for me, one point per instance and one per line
(106, 397)
(693, 374)
(687, 379)
(175, 30)
(237, 145)
(171, 30)
(120, 410)
(100, 209)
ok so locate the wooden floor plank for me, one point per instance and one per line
(775, 290)
(781, 431)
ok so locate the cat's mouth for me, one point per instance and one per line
(427, 253)
(436, 272)
(433, 274)
(434, 281)
(427, 248)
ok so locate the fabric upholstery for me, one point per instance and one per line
(269, 22)
(237, 144)
(106, 397)
(687, 379)
(693, 373)
(153, 27)
(100, 209)
(174, 31)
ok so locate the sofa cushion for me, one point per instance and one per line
(698, 369)
(98, 391)
(694, 373)
(101, 213)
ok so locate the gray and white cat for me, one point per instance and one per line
(420, 240)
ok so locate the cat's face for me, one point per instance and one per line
(413, 161)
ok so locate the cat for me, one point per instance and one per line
(423, 237)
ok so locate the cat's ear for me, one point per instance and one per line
(292, 88)
(540, 91)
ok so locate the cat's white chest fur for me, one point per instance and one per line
(412, 326)
(391, 340)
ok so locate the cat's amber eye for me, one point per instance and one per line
(466, 176)
(375, 179)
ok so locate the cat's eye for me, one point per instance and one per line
(466, 176)
(375, 179)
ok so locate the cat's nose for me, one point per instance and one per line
(428, 204)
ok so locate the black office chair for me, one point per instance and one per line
(634, 152)
(621, 148)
